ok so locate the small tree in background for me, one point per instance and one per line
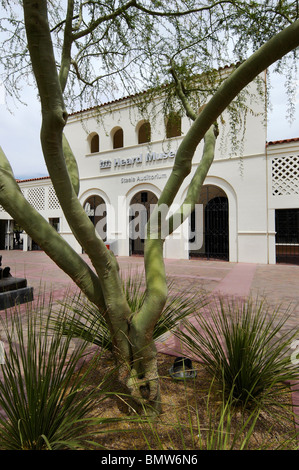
(91, 48)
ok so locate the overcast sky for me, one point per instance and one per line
(19, 132)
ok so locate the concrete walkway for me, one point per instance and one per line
(277, 284)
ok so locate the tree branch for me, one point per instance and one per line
(53, 121)
(186, 12)
(181, 93)
(193, 193)
(67, 45)
(103, 19)
(71, 164)
(46, 236)
(273, 50)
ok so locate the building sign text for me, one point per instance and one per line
(136, 161)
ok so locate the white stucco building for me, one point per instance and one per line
(250, 199)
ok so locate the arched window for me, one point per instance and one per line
(118, 139)
(144, 133)
(173, 125)
(94, 143)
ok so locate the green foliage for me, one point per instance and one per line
(44, 394)
(126, 48)
(245, 347)
(82, 319)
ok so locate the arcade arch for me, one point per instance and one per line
(214, 230)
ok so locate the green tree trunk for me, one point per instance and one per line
(132, 333)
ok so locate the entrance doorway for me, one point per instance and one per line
(141, 206)
(215, 232)
(287, 236)
(95, 207)
(17, 237)
(2, 234)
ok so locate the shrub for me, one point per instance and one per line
(44, 397)
(245, 347)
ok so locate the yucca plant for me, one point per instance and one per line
(85, 320)
(230, 428)
(245, 346)
(44, 395)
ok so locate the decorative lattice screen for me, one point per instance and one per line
(285, 176)
(36, 197)
(53, 202)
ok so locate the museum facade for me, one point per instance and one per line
(248, 206)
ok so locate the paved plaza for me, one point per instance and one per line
(276, 283)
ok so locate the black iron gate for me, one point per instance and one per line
(215, 230)
(287, 236)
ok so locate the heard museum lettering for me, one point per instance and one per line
(135, 161)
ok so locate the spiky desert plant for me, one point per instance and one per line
(246, 346)
(44, 395)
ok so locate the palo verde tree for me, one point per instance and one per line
(78, 51)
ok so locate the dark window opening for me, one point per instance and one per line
(95, 144)
(174, 125)
(144, 133)
(287, 236)
(55, 222)
(118, 139)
